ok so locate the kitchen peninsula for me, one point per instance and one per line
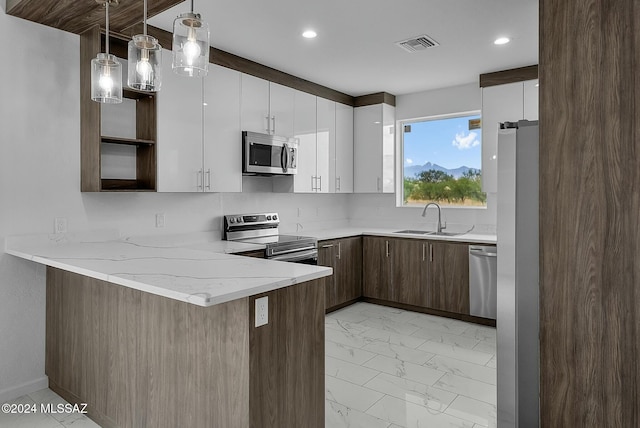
(165, 336)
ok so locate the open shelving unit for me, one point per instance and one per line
(93, 144)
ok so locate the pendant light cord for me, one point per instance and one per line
(191, 6)
(107, 26)
(145, 18)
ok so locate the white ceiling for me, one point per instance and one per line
(355, 51)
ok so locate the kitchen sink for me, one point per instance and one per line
(428, 232)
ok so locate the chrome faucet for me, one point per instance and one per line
(440, 226)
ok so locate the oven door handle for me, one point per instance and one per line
(295, 256)
(274, 253)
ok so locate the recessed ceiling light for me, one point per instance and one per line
(309, 34)
(501, 41)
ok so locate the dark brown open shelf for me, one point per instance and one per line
(136, 95)
(126, 141)
(92, 142)
(114, 185)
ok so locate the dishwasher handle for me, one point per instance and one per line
(483, 251)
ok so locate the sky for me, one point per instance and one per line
(446, 142)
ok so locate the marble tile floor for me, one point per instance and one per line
(391, 368)
(384, 367)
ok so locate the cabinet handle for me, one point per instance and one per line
(268, 128)
(339, 251)
(208, 179)
(430, 253)
(424, 250)
(337, 183)
(387, 245)
(320, 188)
(328, 246)
(200, 179)
(273, 119)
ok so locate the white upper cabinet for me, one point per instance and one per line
(388, 148)
(222, 167)
(281, 104)
(179, 132)
(342, 154)
(373, 149)
(254, 104)
(503, 103)
(196, 155)
(324, 130)
(266, 107)
(325, 144)
(305, 125)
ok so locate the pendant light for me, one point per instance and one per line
(106, 70)
(190, 45)
(145, 58)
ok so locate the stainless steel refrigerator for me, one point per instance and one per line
(517, 321)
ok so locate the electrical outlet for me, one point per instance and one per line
(60, 225)
(160, 220)
(262, 311)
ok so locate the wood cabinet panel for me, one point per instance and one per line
(589, 205)
(287, 359)
(449, 277)
(140, 360)
(409, 284)
(376, 272)
(345, 257)
(326, 257)
(348, 269)
(421, 273)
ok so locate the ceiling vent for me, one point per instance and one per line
(417, 44)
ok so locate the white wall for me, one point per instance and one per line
(378, 210)
(40, 180)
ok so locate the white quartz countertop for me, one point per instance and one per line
(199, 269)
(204, 276)
(475, 238)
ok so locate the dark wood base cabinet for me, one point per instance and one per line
(141, 360)
(416, 272)
(345, 257)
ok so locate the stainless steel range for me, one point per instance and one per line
(263, 229)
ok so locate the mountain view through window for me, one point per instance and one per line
(443, 161)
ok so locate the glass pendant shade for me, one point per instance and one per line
(145, 59)
(190, 45)
(106, 79)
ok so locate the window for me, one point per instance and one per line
(442, 161)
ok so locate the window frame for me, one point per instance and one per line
(399, 185)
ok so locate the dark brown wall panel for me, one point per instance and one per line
(377, 98)
(589, 213)
(509, 76)
(78, 16)
(235, 62)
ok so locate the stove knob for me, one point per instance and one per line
(239, 219)
(268, 217)
(232, 220)
(275, 217)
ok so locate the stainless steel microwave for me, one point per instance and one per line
(264, 154)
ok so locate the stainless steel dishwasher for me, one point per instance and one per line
(483, 280)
